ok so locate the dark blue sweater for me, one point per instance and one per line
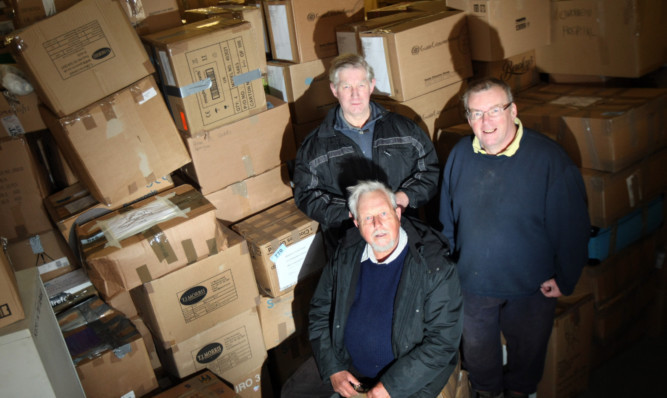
(515, 221)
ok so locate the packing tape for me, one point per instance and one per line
(590, 141)
(186, 91)
(87, 120)
(19, 223)
(107, 110)
(189, 249)
(247, 77)
(240, 189)
(160, 244)
(144, 274)
(132, 188)
(212, 246)
(247, 164)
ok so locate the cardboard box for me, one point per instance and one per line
(202, 384)
(11, 308)
(27, 12)
(74, 205)
(81, 55)
(653, 174)
(301, 130)
(19, 114)
(254, 384)
(252, 195)
(606, 38)
(567, 366)
(36, 362)
(209, 72)
(287, 357)
(251, 146)
(121, 143)
(188, 301)
(150, 16)
(304, 86)
(23, 185)
(414, 57)
(284, 246)
(305, 30)
(519, 71)
(148, 341)
(123, 303)
(501, 29)
(48, 251)
(606, 129)
(431, 111)
(447, 137)
(148, 239)
(231, 349)
(612, 196)
(68, 290)
(347, 35)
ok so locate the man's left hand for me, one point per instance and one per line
(402, 200)
(378, 391)
(550, 288)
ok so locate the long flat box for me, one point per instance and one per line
(81, 55)
(148, 239)
(194, 298)
(601, 128)
(305, 86)
(27, 12)
(231, 349)
(19, 114)
(347, 35)
(11, 308)
(202, 384)
(501, 29)
(605, 38)
(23, 185)
(252, 195)
(419, 55)
(285, 247)
(210, 72)
(570, 343)
(305, 30)
(122, 143)
(251, 146)
(36, 362)
(47, 251)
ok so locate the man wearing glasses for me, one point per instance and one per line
(513, 205)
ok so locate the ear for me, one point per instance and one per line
(356, 224)
(372, 85)
(399, 211)
(513, 110)
(333, 90)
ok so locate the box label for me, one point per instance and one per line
(289, 260)
(208, 296)
(225, 353)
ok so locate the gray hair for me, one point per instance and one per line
(363, 187)
(484, 84)
(349, 61)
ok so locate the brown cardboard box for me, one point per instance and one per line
(416, 56)
(301, 130)
(68, 73)
(123, 303)
(253, 384)
(11, 307)
(122, 143)
(148, 341)
(69, 289)
(284, 246)
(431, 111)
(148, 239)
(252, 195)
(567, 365)
(19, 114)
(231, 349)
(519, 71)
(149, 16)
(304, 86)
(186, 302)
(305, 30)
(447, 137)
(653, 174)
(607, 38)
(347, 35)
(287, 357)
(27, 12)
(23, 185)
(613, 195)
(203, 384)
(242, 149)
(209, 72)
(501, 29)
(601, 128)
(74, 205)
(47, 250)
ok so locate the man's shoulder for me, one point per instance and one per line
(430, 243)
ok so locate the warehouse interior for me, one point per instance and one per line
(152, 246)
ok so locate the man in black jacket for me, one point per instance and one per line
(386, 316)
(360, 140)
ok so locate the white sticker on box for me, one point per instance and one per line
(575, 101)
(290, 260)
(276, 80)
(53, 265)
(13, 125)
(147, 95)
(81, 204)
(280, 32)
(165, 67)
(373, 48)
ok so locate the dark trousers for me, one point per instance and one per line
(307, 383)
(526, 323)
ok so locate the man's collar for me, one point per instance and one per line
(368, 253)
(511, 148)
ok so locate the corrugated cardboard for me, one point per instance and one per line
(347, 35)
(202, 384)
(605, 38)
(252, 195)
(121, 144)
(518, 71)
(613, 195)
(27, 12)
(68, 73)
(194, 298)
(148, 340)
(149, 16)
(305, 30)
(305, 86)
(601, 128)
(254, 384)
(416, 56)
(23, 185)
(19, 114)
(47, 250)
(242, 149)
(11, 308)
(231, 349)
(210, 72)
(149, 239)
(501, 29)
(284, 246)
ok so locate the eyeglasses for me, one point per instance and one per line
(493, 113)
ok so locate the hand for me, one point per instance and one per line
(402, 199)
(550, 288)
(378, 391)
(343, 383)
